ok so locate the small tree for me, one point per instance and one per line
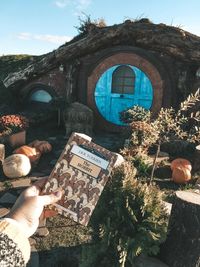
(129, 219)
(142, 133)
(168, 126)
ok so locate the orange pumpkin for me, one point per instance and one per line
(181, 175)
(31, 152)
(180, 162)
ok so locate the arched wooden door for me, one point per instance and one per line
(121, 87)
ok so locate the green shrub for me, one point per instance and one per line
(170, 125)
(128, 220)
(143, 169)
(136, 113)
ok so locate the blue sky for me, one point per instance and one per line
(39, 26)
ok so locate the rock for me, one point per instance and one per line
(42, 232)
(197, 191)
(168, 207)
(78, 118)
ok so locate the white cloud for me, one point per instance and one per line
(24, 36)
(79, 5)
(83, 4)
(56, 39)
(62, 3)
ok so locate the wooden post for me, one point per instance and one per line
(2, 152)
(182, 247)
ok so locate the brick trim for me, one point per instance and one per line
(124, 58)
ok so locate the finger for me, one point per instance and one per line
(31, 191)
(50, 199)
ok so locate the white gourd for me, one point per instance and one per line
(16, 165)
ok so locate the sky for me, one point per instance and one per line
(37, 27)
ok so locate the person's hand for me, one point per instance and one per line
(29, 207)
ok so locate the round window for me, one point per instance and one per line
(40, 96)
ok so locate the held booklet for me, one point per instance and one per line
(82, 172)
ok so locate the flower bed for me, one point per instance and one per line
(11, 124)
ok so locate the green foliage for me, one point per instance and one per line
(142, 134)
(143, 169)
(174, 125)
(170, 125)
(135, 113)
(8, 64)
(128, 220)
(13, 63)
(7, 185)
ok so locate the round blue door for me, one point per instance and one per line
(122, 87)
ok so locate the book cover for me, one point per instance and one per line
(81, 171)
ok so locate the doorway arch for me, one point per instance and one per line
(119, 88)
(128, 59)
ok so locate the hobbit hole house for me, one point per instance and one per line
(113, 68)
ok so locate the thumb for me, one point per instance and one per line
(51, 199)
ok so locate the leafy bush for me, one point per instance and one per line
(135, 113)
(129, 220)
(143, 169)
(169, 125)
